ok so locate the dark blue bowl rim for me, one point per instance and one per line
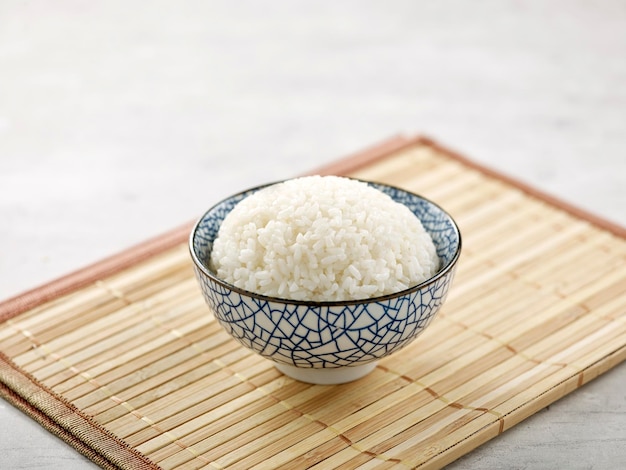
(441, 273)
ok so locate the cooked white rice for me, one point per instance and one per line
(322, 239)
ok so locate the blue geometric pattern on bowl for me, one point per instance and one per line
(328, 334)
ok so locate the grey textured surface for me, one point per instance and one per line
(122, 119)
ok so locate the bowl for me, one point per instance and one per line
(336, 341)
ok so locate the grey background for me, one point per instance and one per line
(122, 119)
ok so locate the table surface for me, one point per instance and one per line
(119, 122)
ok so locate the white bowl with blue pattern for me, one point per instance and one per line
(336, 341)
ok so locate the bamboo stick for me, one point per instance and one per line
(157, 360)
(206, 436)
(156, 372)
(93, 302)
(402, 162)
(125, 317)
(186, 397)
(131, 342)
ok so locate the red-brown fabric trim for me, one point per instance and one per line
(576, 211)
(66, 421)
(91, 273)
(365, 157)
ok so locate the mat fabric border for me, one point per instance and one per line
(66, 421)
(116, 263)
(76, 428)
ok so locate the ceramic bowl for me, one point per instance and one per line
(335, 341)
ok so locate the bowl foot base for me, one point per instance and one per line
(329, 376)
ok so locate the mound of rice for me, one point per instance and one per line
(322, 239)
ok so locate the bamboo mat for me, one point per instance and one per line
(124, 361)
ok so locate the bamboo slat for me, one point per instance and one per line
(538, 308)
